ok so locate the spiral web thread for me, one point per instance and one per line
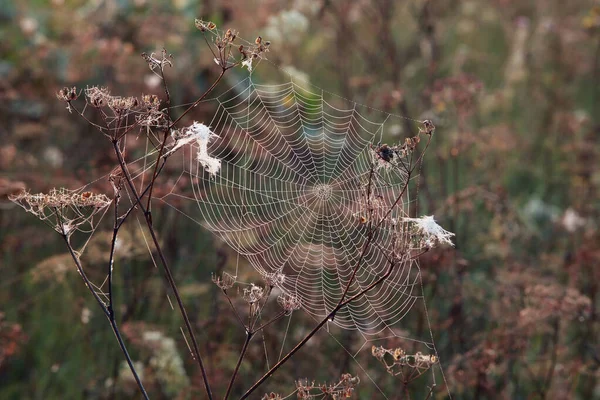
(291, 197)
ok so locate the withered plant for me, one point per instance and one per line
(117, 118)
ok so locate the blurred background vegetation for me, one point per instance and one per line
(513, 88)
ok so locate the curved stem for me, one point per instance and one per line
(109, 314)
(166, 269)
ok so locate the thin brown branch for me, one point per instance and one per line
(107, 310)
(166, 269)
(239, 362)
(318, 327)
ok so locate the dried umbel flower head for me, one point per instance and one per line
(122, 105)
(225, 281)
(427, 127)
(64, 210)
(67, 94)
(274, 279)
(289, 303)
(253, 294)
(343, 389)
(204, 26)
(410, 366)
(158, 64)
(272, 396)
(150, 102)
(97, 96)
(250, 53)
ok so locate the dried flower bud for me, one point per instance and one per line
(150, 101)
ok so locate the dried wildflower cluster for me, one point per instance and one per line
(253, 294)
(158, 64)
(289, 303)
(274, 279)
(224, 43)
(65, 210)
(146, 109)
(67, 94)
(150, 114)
(225, 281)
(305, 389)
(409, 366)
(250, 53)
(388, 156)
(100, 97)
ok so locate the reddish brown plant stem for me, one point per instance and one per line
(166, 269)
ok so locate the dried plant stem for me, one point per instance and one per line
(148, 218)
(318, 327)
(168, 130)
(166, 269)
(107, 310)
(249, 335)
(369, 236)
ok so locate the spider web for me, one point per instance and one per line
(292, 197)
(298, 190)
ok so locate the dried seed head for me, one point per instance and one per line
(427, 127)
(289, 303)
(67, 94)
(150, 101)
(204, 26)
(225, 281)
(274, 279)
(272, 396)
(122, 105)
(97, 96)
(253, 293)
(63, 209)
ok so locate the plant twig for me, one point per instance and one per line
(327, 318)
(249, 336)
(108, 313)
